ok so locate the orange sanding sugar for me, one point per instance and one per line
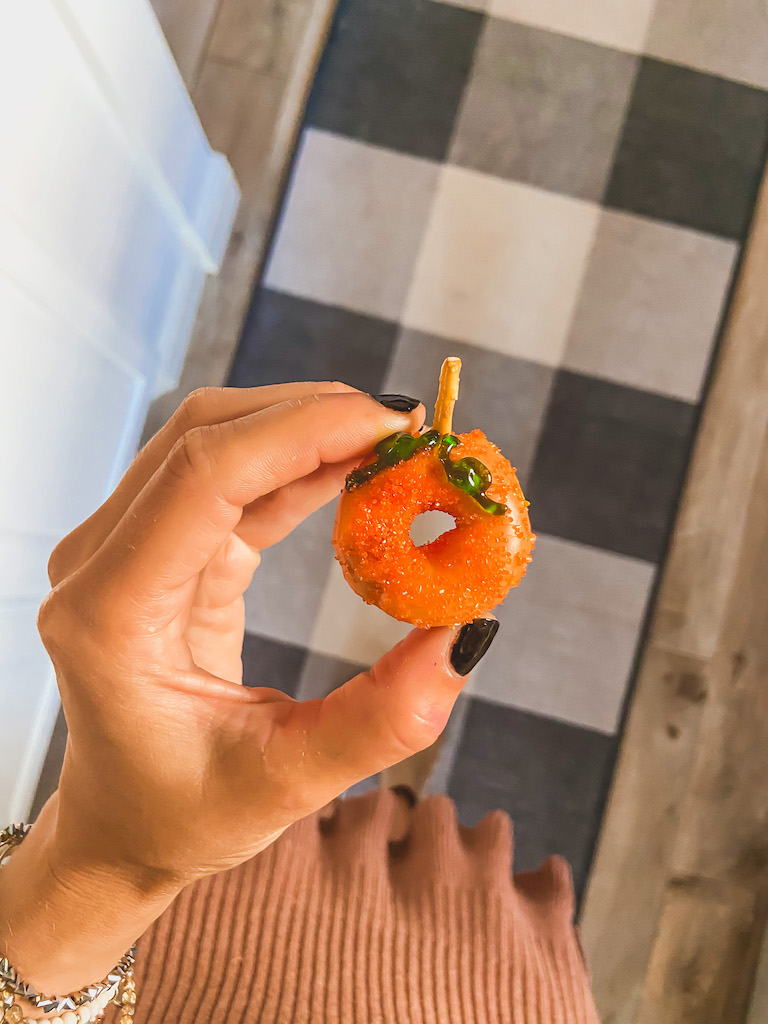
(463, 573)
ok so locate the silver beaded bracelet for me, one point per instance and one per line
(86, 1004)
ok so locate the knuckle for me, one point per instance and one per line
(77, 622)
(295, 798)
(191, 454)
(402, 725)
(196, 407)
(47, 614)
(56, 617)
(410, 732)
(62, 560)
(73, 549)
(300, 401)
(408, 729)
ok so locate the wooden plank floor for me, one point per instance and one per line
(676, 904)
(187, 25)
(248, 65)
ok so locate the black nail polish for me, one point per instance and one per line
(397, 403)
(473, 641)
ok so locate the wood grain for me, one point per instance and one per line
(703, 960)
(260, 35)
(626, 888)
(758, 1007)
(187, 25)
(699, 570)
(716, 898)
(253, 116)
(640, 924)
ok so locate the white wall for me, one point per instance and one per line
(112, 209)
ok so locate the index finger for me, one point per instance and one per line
(195, 499)
(200, 408)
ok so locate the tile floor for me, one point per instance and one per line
(558, 193)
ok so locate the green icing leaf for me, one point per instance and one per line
(471, 476)
(467, 474)
(393, 449)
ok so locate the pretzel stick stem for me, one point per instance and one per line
(447, 394)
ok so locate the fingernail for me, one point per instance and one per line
(473, 641)
(397, 403)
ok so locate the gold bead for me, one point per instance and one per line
(129, 998)
(14, 1015)
(126, 1018)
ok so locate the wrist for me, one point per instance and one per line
(86, 847)
(66, 918)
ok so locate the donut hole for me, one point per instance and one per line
(428, 526)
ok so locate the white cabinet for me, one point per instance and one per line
(113, 208)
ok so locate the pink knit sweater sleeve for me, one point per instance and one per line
(335, 925)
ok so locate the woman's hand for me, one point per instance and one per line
(173, 769)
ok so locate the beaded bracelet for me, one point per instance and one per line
(87, 1004)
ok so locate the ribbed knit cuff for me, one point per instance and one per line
(335, 925)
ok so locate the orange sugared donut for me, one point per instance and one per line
(463, 573)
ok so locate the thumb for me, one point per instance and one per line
(398, 707)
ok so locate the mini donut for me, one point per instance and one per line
(467, 570)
